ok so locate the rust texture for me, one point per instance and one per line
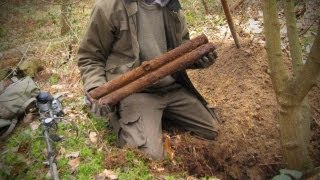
(152, 77)
(230, 22)
(147, 66)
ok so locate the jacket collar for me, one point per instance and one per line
(131, 7)
(129, 1)
(173, 5)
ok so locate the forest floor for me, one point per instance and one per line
(237, 85)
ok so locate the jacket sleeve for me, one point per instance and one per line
(185, 32)
(95, 48)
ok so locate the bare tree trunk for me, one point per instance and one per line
(296, 149)
(290, 92)
(64, 18)
(205, 6)
(296, 57)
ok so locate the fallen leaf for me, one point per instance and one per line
(93, 137)
(34, 125)
(28, 118)
(161, 169)
(176, 140)
(57, 86)
(167, 146)
(48, 175)
(107, 174)
(45, 152)
(100, 177)
(73, 154)
(74, 163)
(191, 178)
(62, 151)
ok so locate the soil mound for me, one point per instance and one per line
(248, 147)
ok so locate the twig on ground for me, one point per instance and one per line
(307, 29)
(71, 29)
(94, 127)
(268, 164)
(234, 7)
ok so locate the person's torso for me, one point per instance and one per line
(152, 36)
(125, 53)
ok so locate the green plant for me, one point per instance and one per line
(54, 78)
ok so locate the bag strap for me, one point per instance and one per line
(15, 120)
(9, 130)
(26, 104)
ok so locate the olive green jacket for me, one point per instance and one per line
(110, 46)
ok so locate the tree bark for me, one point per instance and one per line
(297, 63)
(279, 74)
(290, 92)
(294, 44)
(147, 66)
(152, 77)
(307, 78)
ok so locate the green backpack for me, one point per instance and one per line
(15, 96)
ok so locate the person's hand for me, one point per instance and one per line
(95, 108)
(206, 60)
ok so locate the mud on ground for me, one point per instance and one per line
(248, 147)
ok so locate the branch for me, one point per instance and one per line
(237, 4)
(279, 74)
(310, 72)
(294, 44)
(307, 29)
(230, 22)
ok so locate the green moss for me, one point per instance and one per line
(3, 31)
(137, 168)
(90, 166)
(98, 122)
(139, 171)
(85, 152)
(54, 78)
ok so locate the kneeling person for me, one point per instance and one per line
(121, 35)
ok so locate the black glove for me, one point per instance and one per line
(206, 60)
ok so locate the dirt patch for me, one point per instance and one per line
(315, 123)
(248, 146)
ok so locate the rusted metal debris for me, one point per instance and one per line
(153, 76)
(147, 66)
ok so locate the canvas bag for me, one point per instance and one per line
(14, 99)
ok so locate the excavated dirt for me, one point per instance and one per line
(248, 146)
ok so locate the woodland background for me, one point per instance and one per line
(41, 37)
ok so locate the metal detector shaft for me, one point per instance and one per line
(53, 165)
